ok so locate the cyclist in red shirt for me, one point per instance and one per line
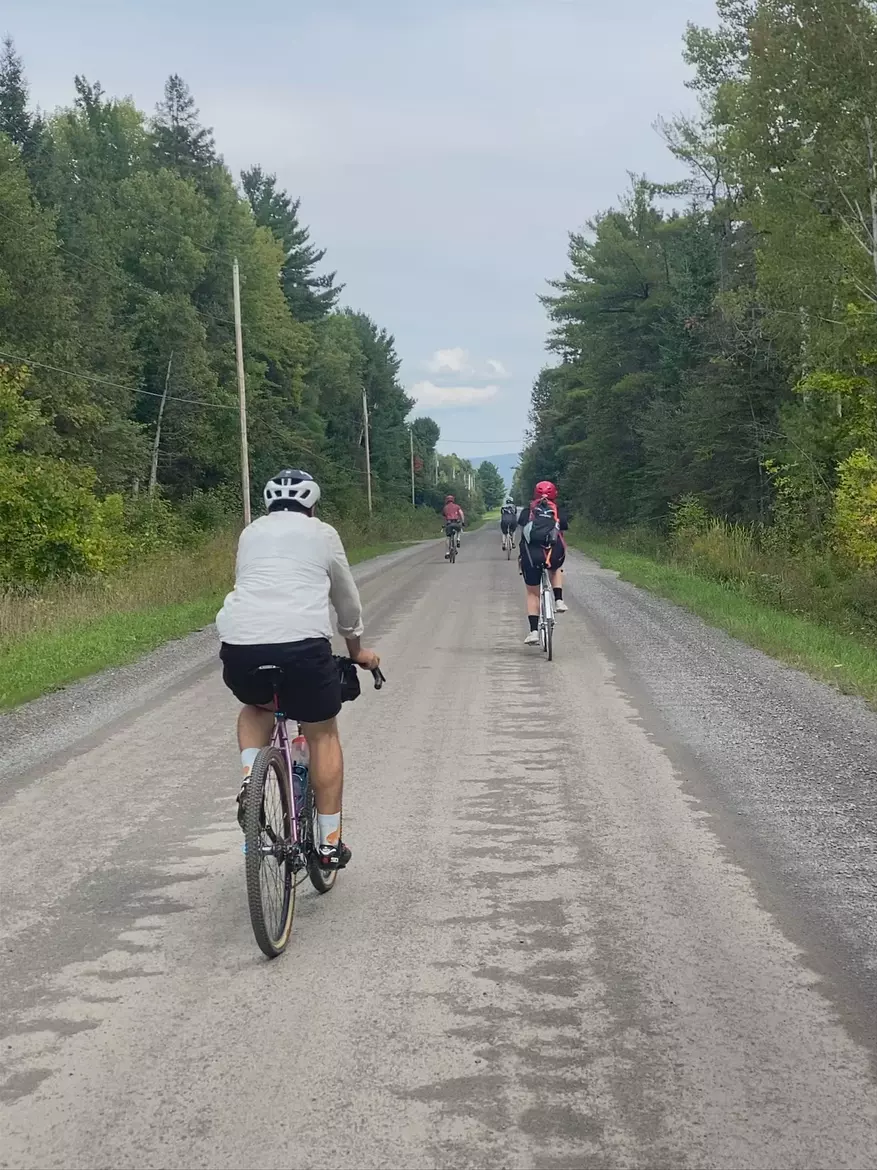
(453, 517)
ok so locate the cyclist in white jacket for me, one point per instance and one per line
(290, 565)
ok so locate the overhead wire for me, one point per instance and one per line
(97, 380)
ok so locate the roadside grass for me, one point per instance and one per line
(841, 659)
(66, 632)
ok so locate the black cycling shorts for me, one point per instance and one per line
(533, 559)
(508, 524)
(311, 688)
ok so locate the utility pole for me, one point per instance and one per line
(368, 457)
(411, 448)
(242, 392)
(153, 471)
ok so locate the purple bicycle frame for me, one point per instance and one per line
(280, 740)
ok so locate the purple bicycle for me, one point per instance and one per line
(280, 824)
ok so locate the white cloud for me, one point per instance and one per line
(427, 394)
(456, 362)
(449, 361)
(497, 369)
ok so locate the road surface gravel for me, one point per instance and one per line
(619, 910)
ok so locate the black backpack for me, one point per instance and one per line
(542, 529)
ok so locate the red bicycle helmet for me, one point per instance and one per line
(545, 489)
(450, 500)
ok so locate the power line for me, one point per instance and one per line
(27, 361)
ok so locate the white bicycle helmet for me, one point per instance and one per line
(298, 486)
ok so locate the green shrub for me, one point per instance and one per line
(52, 525)
(688, 517)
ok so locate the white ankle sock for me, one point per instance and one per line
(248, 758)
(330, 828)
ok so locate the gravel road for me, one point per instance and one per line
(619, 910)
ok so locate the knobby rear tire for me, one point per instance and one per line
(272, 928)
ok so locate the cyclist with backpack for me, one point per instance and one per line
(508, 522)
(542, 546)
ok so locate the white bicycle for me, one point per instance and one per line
(546, 615)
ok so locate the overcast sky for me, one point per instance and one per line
(442, 149)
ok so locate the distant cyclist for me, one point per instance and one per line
(542, 523)
(289, 567)
(508, 522)
(454, 519)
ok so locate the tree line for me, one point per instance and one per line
(715, 339)
(117, 237)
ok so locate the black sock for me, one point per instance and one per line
(558, 595)
(534, 621)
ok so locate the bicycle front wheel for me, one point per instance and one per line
(269, 852)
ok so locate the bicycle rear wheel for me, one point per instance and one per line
(452, 551)
(321, 879)
(549, 640)
(269, 852)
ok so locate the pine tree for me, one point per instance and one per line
(308, 295)
(180, 141)
(16, 121)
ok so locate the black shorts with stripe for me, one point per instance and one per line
(311, 688)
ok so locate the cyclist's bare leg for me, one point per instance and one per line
(557, 579)
(532, 600)
(326, 764)
(254, 727)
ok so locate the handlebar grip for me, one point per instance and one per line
(378, 677)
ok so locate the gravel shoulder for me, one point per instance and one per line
(786, 765)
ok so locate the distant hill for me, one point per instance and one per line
(505, 464)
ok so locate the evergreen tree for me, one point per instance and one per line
(179, 139)
(310, 296)
(17, 122)
(492, 484)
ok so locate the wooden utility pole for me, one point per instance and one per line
(153, 471)
(242, 392)
(411, 447)
(368, 457)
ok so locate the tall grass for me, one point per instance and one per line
(160, 579)
(755, 563)
(806, 608)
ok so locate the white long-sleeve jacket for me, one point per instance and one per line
(289, 567)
